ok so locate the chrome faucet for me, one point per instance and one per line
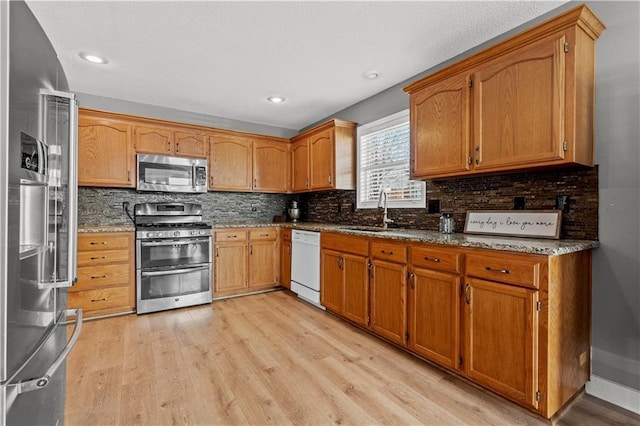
(382, 203)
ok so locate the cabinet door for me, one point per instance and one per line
(263, 266)
(501, 341)
(331, 280)
(321, 161)
(434, 316)
(190, 144)
(300, 166)
(153, 140)
(105, 154)
(270, 166)
(285, 264)
(230, 267)
(230, 163)
(388, 300)
(519, 107)
(440, 128)
(356, 288)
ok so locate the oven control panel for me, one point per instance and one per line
(174, 233)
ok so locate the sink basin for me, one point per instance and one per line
(368, 229)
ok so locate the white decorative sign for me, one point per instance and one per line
(515, 223)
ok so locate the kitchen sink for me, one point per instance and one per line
(369, 229)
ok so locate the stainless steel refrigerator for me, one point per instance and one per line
(38, 197)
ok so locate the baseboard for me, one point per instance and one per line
(620, 395)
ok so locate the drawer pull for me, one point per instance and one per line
(104, 243)
(104, 299)
(98, 257)
(98, 277)
(390, 253)
(432, 259)
(264, 235)
(467, 295)
(231, 236)
(502, 271)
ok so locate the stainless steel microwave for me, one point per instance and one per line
(171, 174)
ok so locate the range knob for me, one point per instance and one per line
(149, 234)
(158, 234)
(201, 232)
(176, 233)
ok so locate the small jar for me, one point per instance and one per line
(447, 223)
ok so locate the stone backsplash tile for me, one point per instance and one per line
(103, 206)
(496, 192)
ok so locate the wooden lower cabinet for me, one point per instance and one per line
(517, 324)
(388, 300)
(106, 274)
(245, 260)
(434, 316)
(501, 325)
(344, 276)
(285, 258)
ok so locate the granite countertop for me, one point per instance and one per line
(125, 227)
(512, 244)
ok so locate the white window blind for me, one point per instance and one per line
(383, 162)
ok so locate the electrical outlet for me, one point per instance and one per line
(562, 203)
(519, 203)
(434, 206)
(125, 206)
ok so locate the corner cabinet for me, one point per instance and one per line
(324, 157)
(105, 151)
(525, 103)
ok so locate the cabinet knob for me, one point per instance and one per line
(467, 293)
(432, 259)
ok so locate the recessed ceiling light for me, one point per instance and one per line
(371, 75)
(94, 59)
(276, 99)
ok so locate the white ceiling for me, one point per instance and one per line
(225, 58)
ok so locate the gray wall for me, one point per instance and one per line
(151, 111)
(616, 264)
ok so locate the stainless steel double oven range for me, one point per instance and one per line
(173, 256)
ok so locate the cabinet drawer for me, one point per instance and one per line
(526, 271)
(389, 251)
(100, 299)
(101, 257)
(436, 258)
(92, 277)
(231, 235)
(263, 234)
(102, 241)
(345, 243)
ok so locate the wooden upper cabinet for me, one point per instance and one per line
(105, 152)
(167, 141)
(519, 107)
(529, 104)
(270, 166)
(190, 144)
(321, 161)
(153, 140)
(300, 165)
(230, 163)
(330, 161)
(440, 128)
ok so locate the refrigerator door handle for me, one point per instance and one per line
(43, 381)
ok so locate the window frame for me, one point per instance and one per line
(372, 127)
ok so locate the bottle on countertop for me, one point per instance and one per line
(447, 224)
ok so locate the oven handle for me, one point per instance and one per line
(173, 242)
(173, 271)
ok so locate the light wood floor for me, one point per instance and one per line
(270, 359)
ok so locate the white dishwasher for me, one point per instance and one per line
(305, 266)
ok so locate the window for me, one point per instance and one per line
(383, 163)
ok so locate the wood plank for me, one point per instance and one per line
(270, 359)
